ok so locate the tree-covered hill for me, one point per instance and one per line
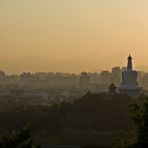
(100, 113)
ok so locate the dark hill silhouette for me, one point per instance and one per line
(101, 112)
(95, 111)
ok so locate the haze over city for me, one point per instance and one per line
(72, 35)
(73, 73)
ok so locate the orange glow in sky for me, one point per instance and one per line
(72, 35)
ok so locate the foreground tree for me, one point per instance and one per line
(138, 138)
(18, 139)
(140, 116)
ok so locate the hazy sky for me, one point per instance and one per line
(72, 35)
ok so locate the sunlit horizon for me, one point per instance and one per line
(72, 35)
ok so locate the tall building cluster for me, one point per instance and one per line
(124, 78)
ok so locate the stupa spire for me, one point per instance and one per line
(129, 64)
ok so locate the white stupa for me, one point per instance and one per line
(129, 84)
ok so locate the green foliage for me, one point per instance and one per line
(20, 139)
(141, 121)
(83, 137)
(82, 121)
(139, 114)
(127, 140)
(118, 142)
(136, 113)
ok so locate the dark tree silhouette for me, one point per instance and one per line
(139, 137)
(140, 117)
(20, 139)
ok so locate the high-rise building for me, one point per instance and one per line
(105, 76)
(116, 75)
(84, 80)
